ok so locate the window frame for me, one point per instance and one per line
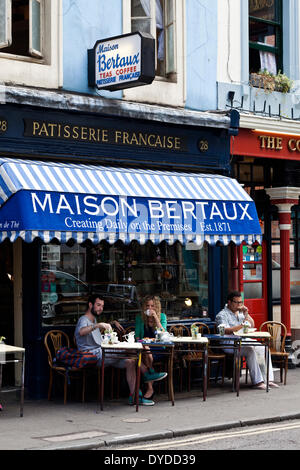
(164, 91)
(32, 51)
(167, 74)
(278, 25)
(46, 72)
(8, 22)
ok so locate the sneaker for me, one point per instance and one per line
(142, 400)
(146, 402)
(131, 400)
(155, 377)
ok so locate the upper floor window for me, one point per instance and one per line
(21, 27)
(157, 17)
(265, 35)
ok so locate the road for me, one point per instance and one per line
(279, 436)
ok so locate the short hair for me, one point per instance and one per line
(92, 298)
(233, 294)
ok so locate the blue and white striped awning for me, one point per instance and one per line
(75, 201)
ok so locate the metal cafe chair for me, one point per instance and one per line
(55, 340)
(212, 356)
(278, 334)
(179, 360)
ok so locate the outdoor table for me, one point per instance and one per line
(7, 349)
(264, 338)
(203, 342)
(234, 342)
(125, 351)
(168, 351)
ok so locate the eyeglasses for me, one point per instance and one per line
(239, 302)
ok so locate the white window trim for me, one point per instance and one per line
(32, 71)
(34, 52)
(162, 91)
(8, 32)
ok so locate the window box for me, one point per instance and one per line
(269, 82)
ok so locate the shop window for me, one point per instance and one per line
(157, 18)
(123, 275)
(265, 35)
(21, 27)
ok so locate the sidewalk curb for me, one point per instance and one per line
(165, 434)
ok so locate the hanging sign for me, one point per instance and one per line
(122, 62)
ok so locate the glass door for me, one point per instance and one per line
(252, 280)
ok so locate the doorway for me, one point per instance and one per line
(7, 302)
(252, 280)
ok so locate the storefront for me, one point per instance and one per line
(267, 164)
(123, 206)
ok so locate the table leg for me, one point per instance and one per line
(137, 381)
(238, 370)
(22, 385)
(205, 364)
(267, 359)
(170, 376)
(102, 380)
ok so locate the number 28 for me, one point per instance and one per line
(3, 126)
(203, 145)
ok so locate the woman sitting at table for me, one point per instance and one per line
(146, 324)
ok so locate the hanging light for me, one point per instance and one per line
(188, 302)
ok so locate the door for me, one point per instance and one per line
(252, 280)
(7, 304)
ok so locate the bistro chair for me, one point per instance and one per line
(179, 330)
(218, 358)
(55, 340)
(278, 334)
(114, 373)
(178, 363)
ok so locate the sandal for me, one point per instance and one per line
(273, 385)
(260, 386)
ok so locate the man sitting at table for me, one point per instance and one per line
(233, 315)
(89, 338)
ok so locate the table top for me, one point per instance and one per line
(6, 348)
(254, 334)
(122, 345)
(159, 344)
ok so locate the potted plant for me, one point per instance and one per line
(270, 82)
(283, 82)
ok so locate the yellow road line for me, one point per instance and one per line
(217, 436)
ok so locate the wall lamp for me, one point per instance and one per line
(230, 96)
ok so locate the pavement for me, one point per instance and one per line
(82, 426)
